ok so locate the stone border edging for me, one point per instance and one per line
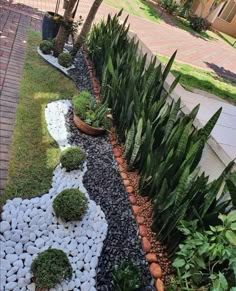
(151, 257)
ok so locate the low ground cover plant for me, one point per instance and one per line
(208, 258)
(127, 277)
(50, 268)
(88, 110)
(72, 158)
(70, 205)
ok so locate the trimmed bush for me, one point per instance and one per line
(46, 47)
(50, 268)
(81, 103)
(199, 24)
(72, 158)
(65, 60)
(70, 205)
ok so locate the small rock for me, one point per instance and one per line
(159, 285)
(155, 270)
(11, 258)
(4, 226)
(39, 243)
(85, 286)
(11, 285)
(151, 258)
(142, 230)
(140, 219)
(135, 209)
(146, 245)
(132, 199)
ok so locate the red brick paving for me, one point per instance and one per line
(13, 32)
(163, 38)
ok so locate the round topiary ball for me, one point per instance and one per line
(65, 60)
(50, 268)
(72, 158)
(70, 205)
(46, 47)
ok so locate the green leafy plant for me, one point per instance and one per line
(88, 110)
(127, 277)
(65, 59)
(70, 205)
(199, 24)
(170, 6)
(208, 258)
(72, 158)
(46, 46)
(50, 268)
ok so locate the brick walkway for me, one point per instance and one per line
(163, 38)
(13, 27)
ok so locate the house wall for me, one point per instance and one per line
(224, 26)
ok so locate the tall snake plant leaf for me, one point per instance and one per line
(137, 142)
(168, 66)
(174, 84)
(180, 192)
(215, 188)
(232, 191)
(207, 129)
(182, 144)
(172, 119)
(192, 115)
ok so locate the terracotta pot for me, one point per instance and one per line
(84, 127)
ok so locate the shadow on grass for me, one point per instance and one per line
(222, 72)
(190, 81)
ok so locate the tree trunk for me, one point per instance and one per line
(62, 33)
(86, 27)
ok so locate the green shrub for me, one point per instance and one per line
(127, 277)
(81, 103)
(70, 205)
(72, 158)
(46, 47)
(171, 6)
(50, 268)
(199, 24)
(65, 60)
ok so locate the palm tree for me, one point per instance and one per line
(86, 27)
(62, 33)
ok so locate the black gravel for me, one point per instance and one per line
(80, 74)
(105, 187)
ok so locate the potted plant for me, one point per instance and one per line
(51, 23)
(89, 116)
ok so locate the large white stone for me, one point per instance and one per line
(11, 285)
(39, 243)
(4, 226)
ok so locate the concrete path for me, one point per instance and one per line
(13, 31)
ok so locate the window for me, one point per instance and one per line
(228, 11)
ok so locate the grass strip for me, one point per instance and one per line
(34, 154)
(192, 77)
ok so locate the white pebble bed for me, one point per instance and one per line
(29, 227)
(54, 61)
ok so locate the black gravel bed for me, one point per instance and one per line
(105, 186)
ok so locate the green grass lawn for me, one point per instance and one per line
(136, 7)
(192, 77)
(227, 38)
(34, 154)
